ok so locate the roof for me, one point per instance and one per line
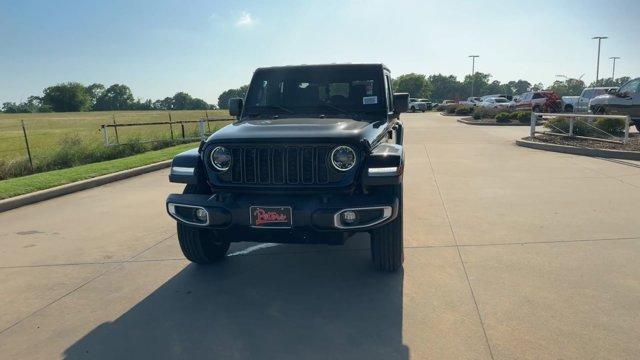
(302, 66)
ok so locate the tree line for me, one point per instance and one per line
(447, 87)
(74, 96)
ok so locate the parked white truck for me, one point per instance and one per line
(580, 104)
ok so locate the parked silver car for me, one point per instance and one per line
(624, 101)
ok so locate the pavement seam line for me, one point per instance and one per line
(115, 266)
(464, 268)
(285, 252)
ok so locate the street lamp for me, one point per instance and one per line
(599, 38)
(613, 73)
(473, 70)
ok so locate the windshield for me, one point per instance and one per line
(501, 100)
(316, 91)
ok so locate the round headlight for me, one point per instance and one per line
(343, 158)
(221, 158)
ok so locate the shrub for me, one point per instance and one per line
(450, 108)
(611, 126)
(14, 168)
(482, 113)
(561, 125)
(503, 117)
(523, 116)
(463, 110)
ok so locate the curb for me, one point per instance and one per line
(613, 154)
(42, 195)
(474, 122)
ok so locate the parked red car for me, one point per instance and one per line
(539, 101)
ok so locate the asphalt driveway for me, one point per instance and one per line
(510, 253)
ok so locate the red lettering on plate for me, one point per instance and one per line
(266, 217)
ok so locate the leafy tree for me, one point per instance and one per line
(610, 82)
(445, 87)
(115, 97)
(519, 87)
(95, 90)
(569, 87)
(70, 96)
(223, 99)
(414, 84)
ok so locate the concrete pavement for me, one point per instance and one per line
(510, 253)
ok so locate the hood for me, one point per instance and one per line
(300, 129)
(602, 99)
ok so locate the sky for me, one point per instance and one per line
(160, 47)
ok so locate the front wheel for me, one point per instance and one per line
(387, 250)
(201, 245)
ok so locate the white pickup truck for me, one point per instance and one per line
(580, 104)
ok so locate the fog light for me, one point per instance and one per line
(202, 215)
(349, 217)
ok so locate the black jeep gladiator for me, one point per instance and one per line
(314, 156)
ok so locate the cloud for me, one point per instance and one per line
(245, 20)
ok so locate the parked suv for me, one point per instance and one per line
(624, 101)
(417, 105)
(539, 101)
(314, 156)
(580, 104)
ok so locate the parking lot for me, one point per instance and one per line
(509, 253)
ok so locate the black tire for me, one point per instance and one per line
(387, 249)
(568, 109)
(536, 109)
(200, 245)
(413, 109)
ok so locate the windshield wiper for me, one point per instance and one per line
(329, 105)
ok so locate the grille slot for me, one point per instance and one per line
(281, 165)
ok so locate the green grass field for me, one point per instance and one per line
(45, 131)
(46, 180)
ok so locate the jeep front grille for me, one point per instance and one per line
(281, 165)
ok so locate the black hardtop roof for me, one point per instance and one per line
(344, 66)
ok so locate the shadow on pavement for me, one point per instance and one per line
(314, 305)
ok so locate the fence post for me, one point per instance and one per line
(206, 113)
(115, 128)
(26, 142)
(571, 120)
(105, 134)
(627, 122)
(534, 119)
(201, 128)
(182, 126)
(170, 126)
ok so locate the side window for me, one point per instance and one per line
(537, 96)
(389, 91)
(630, 87)
(588, 93)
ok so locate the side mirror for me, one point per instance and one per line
(400, 102)
(235, 106)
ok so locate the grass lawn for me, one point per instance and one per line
(46, 130)
(46, 180)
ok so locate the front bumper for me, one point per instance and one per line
(309, 213)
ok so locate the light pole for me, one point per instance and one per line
(473, 71)
(613, 73)
(599, 38)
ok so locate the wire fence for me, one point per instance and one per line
(582, 126)
(30, 140)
